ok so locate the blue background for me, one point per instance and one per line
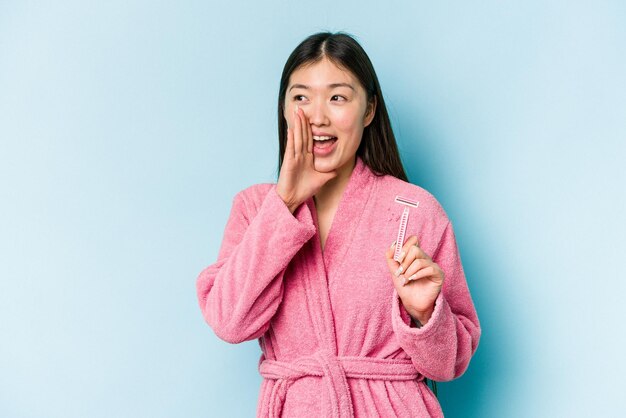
(126, 127)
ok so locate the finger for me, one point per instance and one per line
(411, 241)
(414, 253)
(405, 247)
(406, 255)
(417, 252)
(289, 151)
(417, 265)
(297, 130)
(410, 252)
(398, 282)
(303, 127)
(307, 135)
(308, 143)
(424, 273)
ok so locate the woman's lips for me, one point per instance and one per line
(322, 134)
(323, 148)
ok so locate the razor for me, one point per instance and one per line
(404, 220)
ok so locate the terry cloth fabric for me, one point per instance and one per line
(336, 340)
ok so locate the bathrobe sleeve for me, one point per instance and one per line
(442, 348)
(242, 290)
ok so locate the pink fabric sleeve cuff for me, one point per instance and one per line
(401, 320)
(299, 225)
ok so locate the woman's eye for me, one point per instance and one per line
(338, 97)
(298, 97)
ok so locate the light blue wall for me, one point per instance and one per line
(126, 127)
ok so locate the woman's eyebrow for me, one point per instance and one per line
(330, 86)
(334, 85)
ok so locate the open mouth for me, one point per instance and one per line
(322, 142)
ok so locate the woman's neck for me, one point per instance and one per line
(330, 194)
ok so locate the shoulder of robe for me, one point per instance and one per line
(390, 187)
(253, 196)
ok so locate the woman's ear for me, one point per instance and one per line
(370, 112)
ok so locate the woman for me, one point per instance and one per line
(306, 264)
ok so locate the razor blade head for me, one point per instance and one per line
(406, 201)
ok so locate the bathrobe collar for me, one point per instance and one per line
(346, 219)
(320, 266)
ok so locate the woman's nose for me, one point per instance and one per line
(317, 114)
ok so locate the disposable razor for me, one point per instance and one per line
(408, 203)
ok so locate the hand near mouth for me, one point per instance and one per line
(298, 179)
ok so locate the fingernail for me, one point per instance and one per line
(400, 269)
(402, 254)
(410, 279)
(393, 245)
(297, 108)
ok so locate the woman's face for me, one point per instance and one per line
(335, 105)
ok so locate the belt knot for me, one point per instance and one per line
(334, 372)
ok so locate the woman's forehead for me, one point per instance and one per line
(322, 74)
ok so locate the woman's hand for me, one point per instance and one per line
(298, 179)
(417, 279)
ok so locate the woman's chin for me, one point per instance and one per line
(323, 166)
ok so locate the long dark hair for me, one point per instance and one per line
(378, 148)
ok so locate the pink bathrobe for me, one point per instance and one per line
(335, 337)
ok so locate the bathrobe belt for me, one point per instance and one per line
(334, 372)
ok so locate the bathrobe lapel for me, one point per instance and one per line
(321, 266)
(351, 205)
